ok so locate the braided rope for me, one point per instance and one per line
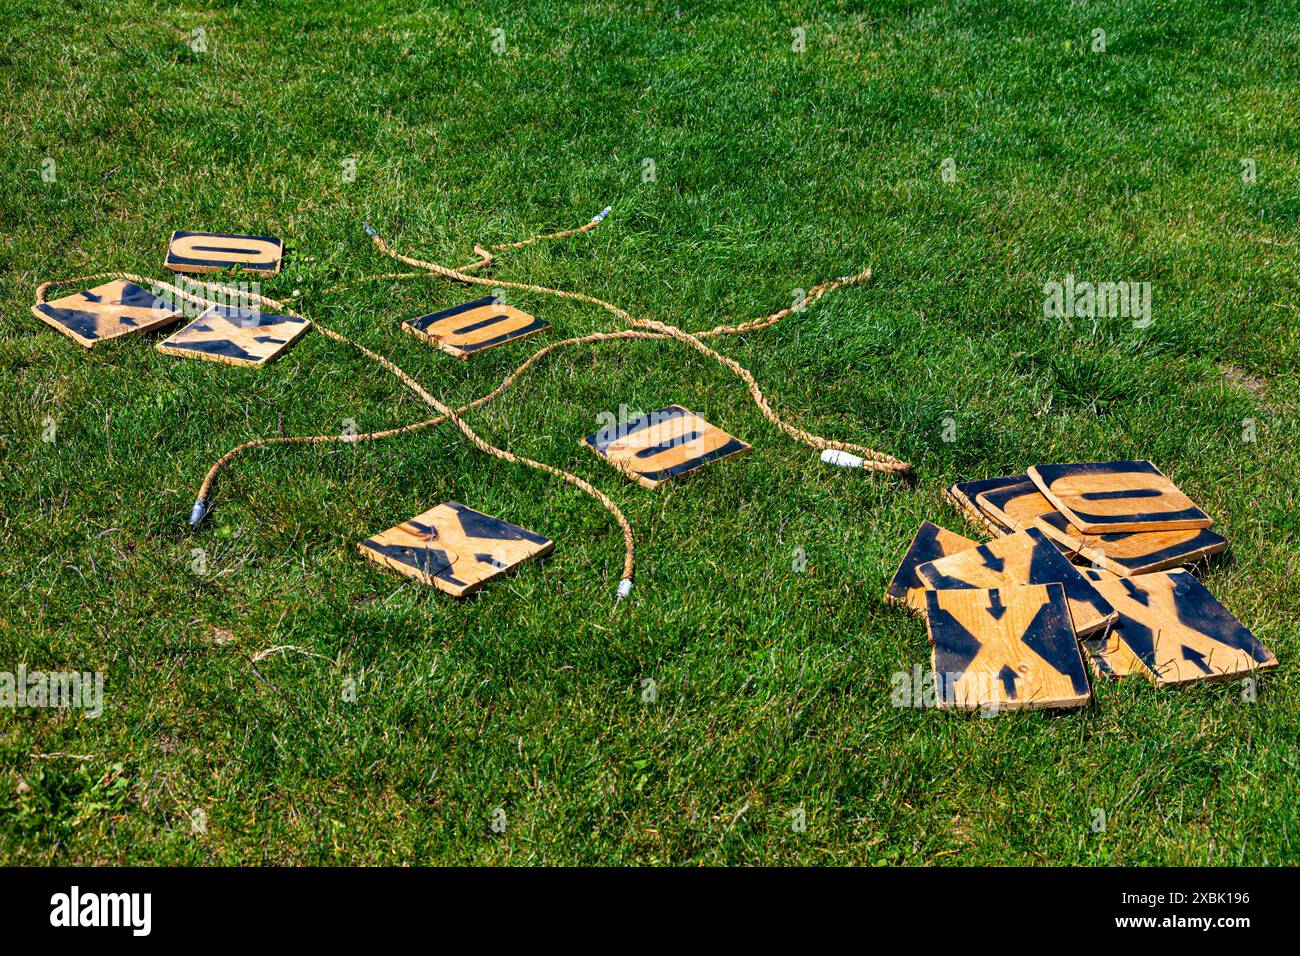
(642, 329)
(876, 460)
(445, 413)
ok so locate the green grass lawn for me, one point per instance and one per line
(774, 170)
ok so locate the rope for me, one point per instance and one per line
(875, 460)
(845, 453)
(445, 413)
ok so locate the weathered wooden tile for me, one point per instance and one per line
(930, 542)
(475, 326)
(1026, 557)
(1005, 648)
(963, 496)
(197, 252)
(105, 312)
(235, 336)
(454, 548)
(1109, 496)
(1105, 652)
(1178, 632)
(663, 445)
(1133, 552)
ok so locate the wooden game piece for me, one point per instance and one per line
(963, 496)
(1005, 648)
(235, 336)
(1178, 632)
(198, 252)
(929, 543)
(663, 445)
(454, 548)
(1109, 496)
(475, 326)
(106, 312)
(1133, 552)
(1026, 557)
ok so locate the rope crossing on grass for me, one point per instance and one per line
(842, 453)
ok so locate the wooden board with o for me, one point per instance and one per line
(964, 493)
(106, 312)
(199, 252)
(485, 323)
(1005, 648)
(663, 445)
(1018, 507)
(1178, 632)
(235, 336)
(455, 548)
(929, 542)
(1133, 552)
(1026, 557)
(1106, 496)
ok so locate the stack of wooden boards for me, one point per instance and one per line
(1006, 618)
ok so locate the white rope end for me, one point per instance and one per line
(600, 216)
(624, 588)
(370, 230)
(833, 456)
(197, 512)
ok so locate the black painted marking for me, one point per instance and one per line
(468, 347)
(482, 324)
(432, 562)
(1008, 678)
(990, 560)
(216, 347)
(424, 321)
(682, 439)
(996, 607)
(954, 647)
(1187, 514)
(731, 447)
(925, 547)
(603, 439)
(1135, 592)
(1197, 609)
(1197, 658)
(475, 524)
(1047, 565)
(1051, 638)
(1122, 494)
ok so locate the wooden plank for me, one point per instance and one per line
(455, 548)
(477, 326)
(1026, 557)
(663, 445)
(106, 312)
(199, 252)
(1005, 648)
(1133, 552)
(235, 336)
(1178, 632)
(963, 496)
(929, 542)
(1108, 496)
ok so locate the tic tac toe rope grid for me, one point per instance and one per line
(841, 453)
